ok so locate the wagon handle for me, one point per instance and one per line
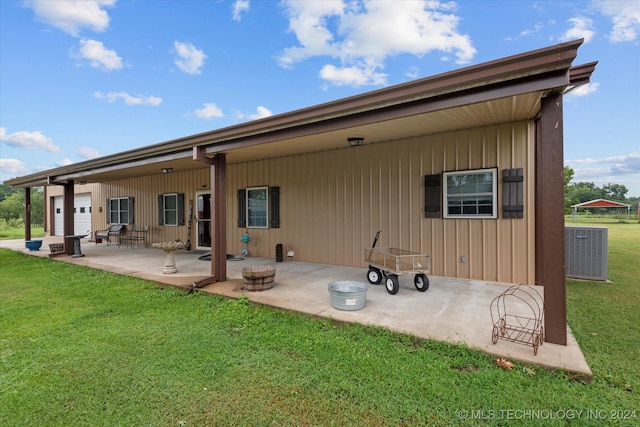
(375, 239)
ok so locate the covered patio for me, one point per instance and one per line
(452, 310)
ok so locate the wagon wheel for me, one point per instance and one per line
(374, 276)
(541, 334)
(392, 284)
(494, 334)
(503, 326)
(536, 340)
(421, 281)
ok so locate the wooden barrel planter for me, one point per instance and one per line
(259, 277)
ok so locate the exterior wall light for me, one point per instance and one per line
(355, 141)
(167, 170)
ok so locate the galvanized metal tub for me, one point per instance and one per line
(348, 295)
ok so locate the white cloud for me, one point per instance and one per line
(625, 17)
(536, 28)
(261, 113)
(581, 27)
(12, 167)
(64, 162)
(208, 111)
(584, 90)
(361, 35)
(71, 16)
(129, 99)
(99, 57)
(88, 153)
(353, 76)
(612, 165)
(189, 58)
(28, 140)
(239, 6)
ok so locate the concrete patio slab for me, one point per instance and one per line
(452, 310)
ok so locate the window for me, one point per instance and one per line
(257, 207)
(471, 194)
(171, 209)
(120, 210)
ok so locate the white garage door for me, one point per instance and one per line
(81, 218)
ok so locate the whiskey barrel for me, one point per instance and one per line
(259, 277)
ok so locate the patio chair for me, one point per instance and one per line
(139, 235)
(130, 235)
(115, 230)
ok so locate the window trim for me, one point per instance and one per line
(129, 210)
(494, 194)
(266, 208)
(165, 210)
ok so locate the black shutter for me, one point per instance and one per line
(432, 198)
(181, 214)
(242, 208)
(274, 207)
(108, 210)
(131, 210)
(160, 210)
(512, 193)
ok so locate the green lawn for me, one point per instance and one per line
(18, 233)
(87, 347)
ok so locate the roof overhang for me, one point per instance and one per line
(500, 91)
(601, 203)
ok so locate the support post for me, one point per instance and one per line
(27, 213)
(219, 217)
(550, 245)
(68, 225)
(218, 168)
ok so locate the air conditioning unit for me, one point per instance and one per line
(586, 252)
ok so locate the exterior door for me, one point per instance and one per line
(203, 218)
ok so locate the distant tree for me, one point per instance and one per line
(568, 176)
(582, 192)
(6, 191)
(12, 207)
(616, 192)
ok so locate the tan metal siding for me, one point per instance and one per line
(333, 202)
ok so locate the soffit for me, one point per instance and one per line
(504, 110)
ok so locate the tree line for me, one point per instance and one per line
(580, 192)
(12, 206)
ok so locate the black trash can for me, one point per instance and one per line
(279, 252)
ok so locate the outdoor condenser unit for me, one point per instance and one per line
(586, 252)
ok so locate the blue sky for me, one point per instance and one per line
(82, 79)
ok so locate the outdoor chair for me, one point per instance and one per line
(129, 237)
(141, 236)
(137, 236)
(115, 230)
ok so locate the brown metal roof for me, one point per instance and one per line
(502, 90)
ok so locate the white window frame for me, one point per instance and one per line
(165, 210)
(119, 212)
(249, 209)
(449, 197)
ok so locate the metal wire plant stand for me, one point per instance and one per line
(517, 315)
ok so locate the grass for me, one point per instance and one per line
(86, 347)
(7, 232)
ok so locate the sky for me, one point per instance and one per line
(85, 79)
